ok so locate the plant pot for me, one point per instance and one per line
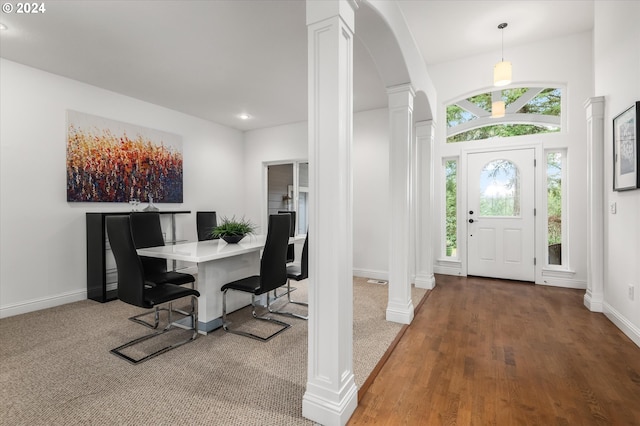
(232, 239)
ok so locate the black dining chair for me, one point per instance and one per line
(205, 222)
(147, 232)
(291, 255)
(291, 252)
(297, 273)
(273, 274)
(135, 289)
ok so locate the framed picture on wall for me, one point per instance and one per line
(626, 151)
(114, 161)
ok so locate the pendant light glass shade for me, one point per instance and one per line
(502, 70)
(502, 73)
(497, 109)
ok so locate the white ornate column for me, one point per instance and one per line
(425, 136)
(331, 395)
(594, 297)
(400, 305)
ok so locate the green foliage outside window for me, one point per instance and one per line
(451, 214)
(507, 202)
(554, 197)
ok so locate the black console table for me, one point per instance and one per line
(101, 271)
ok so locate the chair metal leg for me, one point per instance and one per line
(277, 296)
(225, 324)
(289, 295)
(290, 314)
(155, 311)
(180, 311)
(194, 320)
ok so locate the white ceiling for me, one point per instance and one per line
(216, 59)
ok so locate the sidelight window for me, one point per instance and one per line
(451, 207)
(555, 210)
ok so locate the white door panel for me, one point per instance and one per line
(500, 201)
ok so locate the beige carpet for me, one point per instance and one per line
(55, 368)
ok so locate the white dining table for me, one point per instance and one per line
(218, 264)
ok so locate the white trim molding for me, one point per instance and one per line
(371, 273)
(42, 303)
(561, 278)
(626, 326)
(449, 266)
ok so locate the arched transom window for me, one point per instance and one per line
(528, 110)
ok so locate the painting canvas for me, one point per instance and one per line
(626, 153)
(112, 161)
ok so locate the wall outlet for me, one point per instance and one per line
(612, 208)
(631, 291)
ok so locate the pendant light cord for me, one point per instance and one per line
(501, 27)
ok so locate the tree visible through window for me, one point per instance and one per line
(451, 213)
(554, 207)
(500, 189)
(529, 110)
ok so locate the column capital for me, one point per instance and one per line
(424, 128)
(594, 106)
(401, 96)
(401, 88)
(320, 10)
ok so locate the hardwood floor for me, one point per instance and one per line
(493, 352)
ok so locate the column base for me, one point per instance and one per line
(402, 314)
(593, 302)
(427, 282)
(329, 413)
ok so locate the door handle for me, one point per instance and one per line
(471, 221)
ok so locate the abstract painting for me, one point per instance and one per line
(113, 161)
(626, 151)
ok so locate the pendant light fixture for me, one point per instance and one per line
(502, 70)
(497, 109)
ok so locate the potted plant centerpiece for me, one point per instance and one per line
(233, 230)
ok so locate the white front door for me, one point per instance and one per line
(500, 214)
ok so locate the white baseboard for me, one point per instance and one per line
(447, 270)
(42, 303)
(370, 273)
(564, 282)
(560, 278)
(620, 321)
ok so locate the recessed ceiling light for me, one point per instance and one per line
(244, 116)
(3, 27)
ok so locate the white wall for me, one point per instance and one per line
(371, 194)
(565, 61)
(617, 78)
(370, 181)
(42, 237)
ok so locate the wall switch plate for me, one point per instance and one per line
(631, 291)
(612, 208)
